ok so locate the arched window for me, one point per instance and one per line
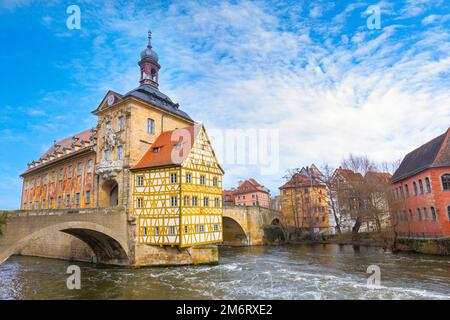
(433, 214)
(415, 188)
(153, 75)
(425, 214)
(410, 215)
(419, 215)
(421, 186)
(448, 212)
(428, 184)
(446, 181)
(406, 190)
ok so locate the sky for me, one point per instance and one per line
(320, 76)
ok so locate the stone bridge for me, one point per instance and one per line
(103, 230)
(250, 226)
(107, 236)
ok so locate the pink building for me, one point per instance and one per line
(251, 194)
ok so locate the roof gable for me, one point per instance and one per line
(202, 148)
(104, 103)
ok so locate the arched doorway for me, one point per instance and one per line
(233, 234)
(114, 196)
(109, 194)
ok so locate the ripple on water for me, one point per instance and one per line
(303, 272)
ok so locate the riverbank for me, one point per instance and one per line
(440, 247)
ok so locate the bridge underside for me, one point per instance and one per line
(38, 233)
(106, 249)
(233, 234)
(252, 226)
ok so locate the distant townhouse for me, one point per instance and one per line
(422, 185)
(249, 193)
(303, 201)
(228, 197)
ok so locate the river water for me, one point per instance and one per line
(280, 272)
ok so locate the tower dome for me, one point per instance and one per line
(149, 65)
(148, 52)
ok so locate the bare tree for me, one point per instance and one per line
(331, 194)
(290, 176)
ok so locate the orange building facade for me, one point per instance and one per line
(421, 186)
(63, 177)
(303, 201)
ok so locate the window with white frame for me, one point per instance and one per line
(89, 166)
(139, 203)
(80, 169)
(121, 123)
(174, 201)
(150, 126)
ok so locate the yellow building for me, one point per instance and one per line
(177, 191)
(304, 201)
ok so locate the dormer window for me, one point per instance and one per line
(155, 150)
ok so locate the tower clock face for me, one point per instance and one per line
(110, 100)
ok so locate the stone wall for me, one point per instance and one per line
(59, 246)
(171, 256)
(427, 246)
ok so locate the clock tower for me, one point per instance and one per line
(149, 65)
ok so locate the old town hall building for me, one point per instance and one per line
(146, 155)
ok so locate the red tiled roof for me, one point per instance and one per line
(228, 192)
(378, 176)
(250, 185)
(67, 142)
(163, 152)
(349, 175)
(59, 146)
(299, 180)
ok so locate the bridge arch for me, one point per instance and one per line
(233, 233)
(107, 246)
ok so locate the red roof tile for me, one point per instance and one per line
(250, 185)
(170, 148)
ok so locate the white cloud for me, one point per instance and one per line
(239, 65)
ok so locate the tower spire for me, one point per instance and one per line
(149, 39)
(149, 64)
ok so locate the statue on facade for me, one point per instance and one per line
(109, 138)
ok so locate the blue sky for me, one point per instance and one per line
(311, 70)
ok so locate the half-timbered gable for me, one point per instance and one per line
(177, 195)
